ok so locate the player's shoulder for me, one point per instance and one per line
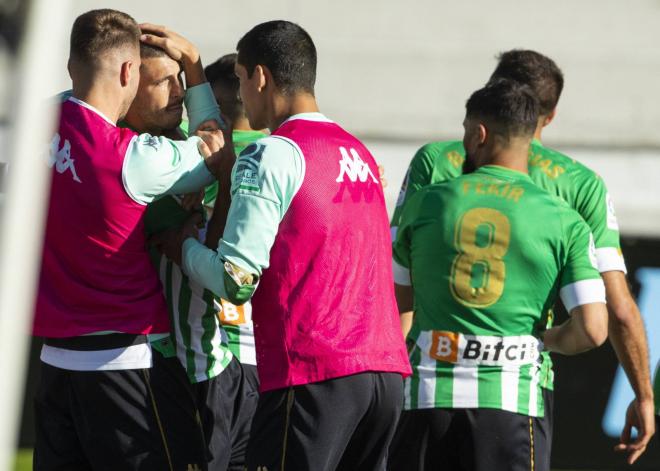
(442, 153)
(552, 165)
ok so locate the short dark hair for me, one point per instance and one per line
(149, 51)
(286, 49)
(533, 69)
(98, 31)
(510, 108)
(221, 74)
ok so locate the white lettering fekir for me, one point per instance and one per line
(61, 158)
(353, 167)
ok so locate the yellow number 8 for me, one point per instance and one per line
(487, 257)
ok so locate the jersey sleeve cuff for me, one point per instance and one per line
(401, 274)
(202, 106)
(582, 292)
(610, 259)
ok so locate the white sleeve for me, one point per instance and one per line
(155, 166)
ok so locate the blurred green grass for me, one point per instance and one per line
(23, 461)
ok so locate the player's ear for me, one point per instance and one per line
(482, 133)
(126, 72)
(262, 76)
(548, 119)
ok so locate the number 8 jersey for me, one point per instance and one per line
(487, 254)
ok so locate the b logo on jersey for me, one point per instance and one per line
(61, 158)
(229, 313)
(353, 167)
(444, 346)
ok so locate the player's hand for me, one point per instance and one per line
(191, 201)
(175, 45)
(381, 175)
(178, 48)
(212, 142)
(640, 416)
(170, 242)
(208, 125)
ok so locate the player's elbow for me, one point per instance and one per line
(596, 328)
(597, 336)
(591, 326)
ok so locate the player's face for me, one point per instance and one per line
(158, 105)
(252, 97)
(224, 96)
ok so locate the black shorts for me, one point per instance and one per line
(472, 440)
(142, 419)
(226, 404)
(344, 423)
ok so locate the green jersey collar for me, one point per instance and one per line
(503, 172)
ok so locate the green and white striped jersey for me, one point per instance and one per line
(236, 321)
(487, 255)
(199, 343)
(560, 175)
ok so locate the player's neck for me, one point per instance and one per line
(513, 156)
(241, 124)
(101, 97)
(538, 132)
(285, 107)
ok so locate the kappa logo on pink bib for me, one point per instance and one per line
(61, 158)
(353, 167)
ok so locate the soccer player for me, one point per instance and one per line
(226, 394)
(236, 320)
(483, 274)
(98, 296)
(307, 223)
(585, 192)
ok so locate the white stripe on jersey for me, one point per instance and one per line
(465, 386)
(427, 382)
(509, 381)
(610, 259)
(582, 292)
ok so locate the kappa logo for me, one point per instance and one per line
(61, 158)
(353, 167)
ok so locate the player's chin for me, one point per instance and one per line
(171, 119)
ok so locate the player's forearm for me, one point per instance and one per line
(210, 270)
(628, 338)
(217, 223)
(627, 333)
(566, 339)
(406, 319)
(584, 330)
(201, 106)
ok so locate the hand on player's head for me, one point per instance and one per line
(176, 46)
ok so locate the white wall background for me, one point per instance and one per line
(398, 73)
